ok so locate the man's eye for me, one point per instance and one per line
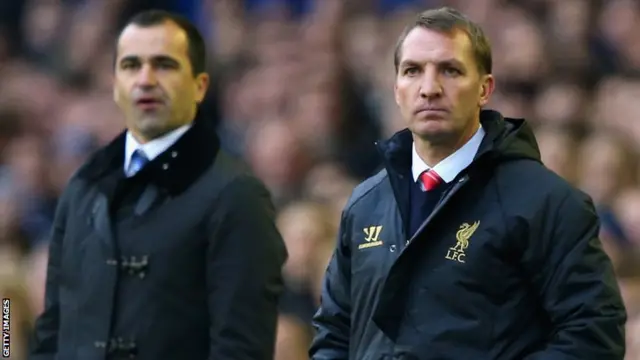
(410, 71)
(451, 71)
(127, 66)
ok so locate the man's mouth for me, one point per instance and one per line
(431, 109)
(149, 103)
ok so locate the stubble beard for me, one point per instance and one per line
(151, 125)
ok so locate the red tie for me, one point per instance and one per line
(430, 180)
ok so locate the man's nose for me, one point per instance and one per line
(146, 77)
(430, 86)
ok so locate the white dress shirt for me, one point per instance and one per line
(453, 164)
(154, 147)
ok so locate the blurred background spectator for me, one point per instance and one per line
(302, 89)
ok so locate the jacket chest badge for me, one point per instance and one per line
(457, 252)
(371, 237)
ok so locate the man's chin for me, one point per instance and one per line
(433, 127)
(151, 113)
(151, 127)
(153, 116)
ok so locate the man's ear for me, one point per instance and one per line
(486, 89)
(202, 85)
(395, 94)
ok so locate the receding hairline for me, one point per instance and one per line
(447, 20)
(451, 33)
(182, 33)
(165, 22)
(196, 45)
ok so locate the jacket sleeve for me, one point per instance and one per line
(244, 273)
(43, 344)
(332, 320)
(575, 280)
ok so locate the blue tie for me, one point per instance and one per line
(138, 161)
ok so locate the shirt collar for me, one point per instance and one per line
(452, 165)
(154, 147)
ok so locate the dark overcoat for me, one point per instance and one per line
(182, 261)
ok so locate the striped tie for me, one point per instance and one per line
(430, 180)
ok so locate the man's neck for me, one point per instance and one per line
(144, 139)
(433, 153)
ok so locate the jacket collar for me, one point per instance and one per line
(396, 152)
(174, 170)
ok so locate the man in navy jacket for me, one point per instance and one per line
(465, 246)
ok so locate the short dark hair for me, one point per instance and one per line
(196, 47)
(446, 19)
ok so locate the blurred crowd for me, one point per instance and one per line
(302, 89)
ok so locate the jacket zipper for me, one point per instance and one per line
(391, 172)
(445, 199)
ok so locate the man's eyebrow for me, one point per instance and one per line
(165, 58)
(155, 58)
(450, 61)
(129, 58)
(409, 63)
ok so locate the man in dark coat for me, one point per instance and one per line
(163, 246)
(465, 246)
